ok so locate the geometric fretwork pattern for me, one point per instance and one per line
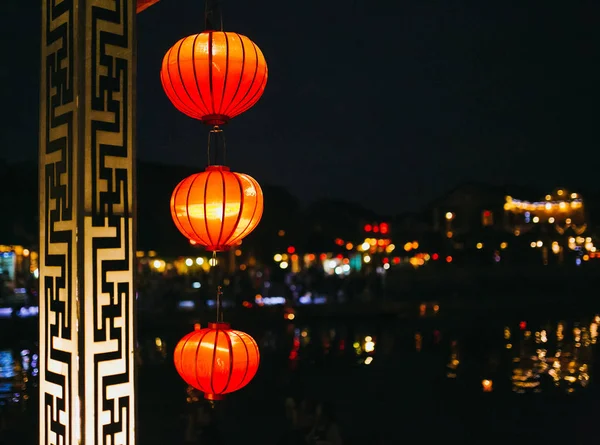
(87, 223)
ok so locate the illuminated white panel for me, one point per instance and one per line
(86, 261)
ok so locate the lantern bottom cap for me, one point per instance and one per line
(215, 119)
(209, 396)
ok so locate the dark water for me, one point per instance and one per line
(390, 380)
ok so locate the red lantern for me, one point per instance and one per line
(217, 360)
(217, 208)
(214, 76)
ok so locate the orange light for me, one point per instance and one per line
(217, 208)
(144, 4)
(217, 360)
(487, 385)
(448, 259)
(214, 76)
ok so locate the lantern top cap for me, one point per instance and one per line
(219, 325)
(221, 168)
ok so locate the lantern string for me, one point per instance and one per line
(219, 137)
(219, 288)
(212, 8)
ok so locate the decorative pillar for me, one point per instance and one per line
(87, 223)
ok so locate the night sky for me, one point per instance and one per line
(389, 103)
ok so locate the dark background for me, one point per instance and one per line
(386, 103)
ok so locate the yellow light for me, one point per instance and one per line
(25, 252)
(277, 257)
(199, 261)
(365, 246)
(503, 245)
(408, 246)
(548, 197)
(560, 192)
(449, 216)
(539, 243)
(366, 258)
(283, 264)
(213, 262)
(573, 195)
(551, 220)
(479, 245)
(156, 264)
(586, 257)
(415, 245)
(189, 262)
(368, 360)
(536, 219)
(290, 316)
(532, 244)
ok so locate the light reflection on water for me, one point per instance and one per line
(18, 377)
(543, 358)
(535, 358)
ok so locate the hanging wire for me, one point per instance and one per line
(212, 8)
(219, 288)
(218, 136)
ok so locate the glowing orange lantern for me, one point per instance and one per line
(217, 208)
(214, 76)
(217, 360)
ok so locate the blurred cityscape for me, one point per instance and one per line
(508, 241)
